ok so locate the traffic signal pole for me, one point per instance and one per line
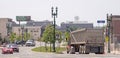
(109, 19)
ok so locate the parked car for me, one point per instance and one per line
(30, 43)
(20, 42)
(7, 49)
(14, 47)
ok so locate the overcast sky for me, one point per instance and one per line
(87, 10)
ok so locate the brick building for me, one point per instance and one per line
(115, 28)
(3, 26)
(113, 31)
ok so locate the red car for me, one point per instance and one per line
(14, 47)
(7, 49)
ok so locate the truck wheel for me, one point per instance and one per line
(84, 49)
(72, 50)
(97, 53)
(86, 53)
(80, 49)
(67, 52)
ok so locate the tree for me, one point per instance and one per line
(26, 36)
(67, 36)
(59, 37)
(71, 28)
(68, 31)
(18, 38)
(0, 39)
(12, 37)
(48, 35)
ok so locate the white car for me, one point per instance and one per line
(30, 43)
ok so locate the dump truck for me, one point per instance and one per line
(86, 41)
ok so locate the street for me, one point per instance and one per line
(25, 52)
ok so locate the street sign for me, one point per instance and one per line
(100, 21)
(23, 18)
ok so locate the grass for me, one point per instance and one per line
(42, 49)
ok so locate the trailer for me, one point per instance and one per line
(86, 41)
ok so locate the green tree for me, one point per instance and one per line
(0, 39)
(18, 38)
(59, 37)
(26, 36)
(12, 37)
(48, 35)
(71, 28)
(67, 36)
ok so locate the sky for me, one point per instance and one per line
(39, 10)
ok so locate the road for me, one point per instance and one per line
(25, 52)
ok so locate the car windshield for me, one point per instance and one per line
(14, 45)
(11, 45)
(8, 46)
(30, 41)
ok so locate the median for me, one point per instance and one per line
(47, 49)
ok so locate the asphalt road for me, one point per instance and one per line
(25, 52)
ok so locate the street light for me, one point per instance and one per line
(54, 15)
(22, 27)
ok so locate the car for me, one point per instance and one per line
(14, 47)
(7, 49)
(20, 42)
(30, 43)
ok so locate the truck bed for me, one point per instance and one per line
(82, 36)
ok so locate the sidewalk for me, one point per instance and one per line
(115, 52)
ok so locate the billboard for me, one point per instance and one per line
(23, 18)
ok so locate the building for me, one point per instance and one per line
(42, 24)
(73, 25)
(115, 25)
(113, 32)
(5, 24)
(34, 28)
(65, 26)
(34, 31)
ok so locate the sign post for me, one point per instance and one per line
(100, 22)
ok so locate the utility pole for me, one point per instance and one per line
(109, 19)
(54, 15)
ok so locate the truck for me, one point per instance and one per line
(86, 41)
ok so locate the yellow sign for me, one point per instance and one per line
(106, 39)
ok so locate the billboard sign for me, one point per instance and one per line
(23, 18)
(100, 21)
